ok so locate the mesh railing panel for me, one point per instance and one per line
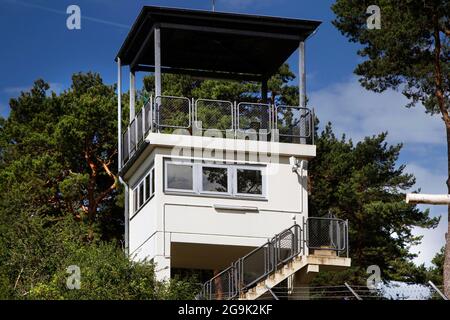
(132, 133)
(285, 246)
(254, 116)
(140, 127)
(254, 266)
(148, 116)
(221, 286)
(214, 114)
(250, 121)
(172, 113)
(294, 124)
(325, 233)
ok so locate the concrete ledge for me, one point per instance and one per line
(236, 145)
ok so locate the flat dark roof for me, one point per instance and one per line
(227, 45)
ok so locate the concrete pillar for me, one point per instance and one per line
(301, 282)
(162, 268)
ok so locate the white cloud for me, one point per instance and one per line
(433, 239)
(15, 90)
(358, 113)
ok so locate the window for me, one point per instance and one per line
(249, 181)
(215, 179)
(144, 190)
(152, 173)
(141, 195)
(179, 176)
(147, 186)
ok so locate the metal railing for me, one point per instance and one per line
(244, 120)
(325, 233)
(252, 268)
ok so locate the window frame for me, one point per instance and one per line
(250, 168)
(166, 176)
(229, 169)
(197, 179)
(137, 195)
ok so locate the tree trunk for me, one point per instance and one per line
(447, 235)
(445, 116)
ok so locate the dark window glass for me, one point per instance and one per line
(179, 177)
(215, 179)
(147, 187)
(136, 196)
(249, 181)
(141, 194)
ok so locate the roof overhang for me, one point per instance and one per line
(213, 44)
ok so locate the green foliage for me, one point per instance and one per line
(60, 203)
(405, 53)
(364, 184)
(437, 270)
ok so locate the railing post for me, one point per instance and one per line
(313, 125)
(352, 291)
(437, 290)
(151, 113)
(346, 237)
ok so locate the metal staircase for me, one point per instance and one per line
(287, 252)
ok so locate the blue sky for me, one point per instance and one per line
(36, 44)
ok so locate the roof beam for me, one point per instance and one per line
(203, 73)
(231, 31)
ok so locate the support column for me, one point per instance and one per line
(132, 95)
(264, 90)
(157, 61)
(119, 112)
(302, 90)
(301, 282)
(302, 75)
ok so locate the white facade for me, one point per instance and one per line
(198, 229)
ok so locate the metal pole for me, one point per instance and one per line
(264, 90)
(132, 95)
(302, 75)
(352, 291)
(302, 87)
(437, 290)
(119, 112)
(272, 293)
(157, 61)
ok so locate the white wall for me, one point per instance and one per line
(193, 219)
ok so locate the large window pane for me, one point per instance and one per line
(179, 177)
(215, 179)
(249, 181)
